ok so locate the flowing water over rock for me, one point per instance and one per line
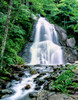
(46, 49)
(29, 83)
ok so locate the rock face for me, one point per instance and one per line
(71, 42)
(70, 55)
(25, 53)
(62, 35)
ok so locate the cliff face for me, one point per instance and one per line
(70, 54)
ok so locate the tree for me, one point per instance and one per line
(6, 32)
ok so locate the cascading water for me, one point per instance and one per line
(46, 49)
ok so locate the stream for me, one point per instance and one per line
(20, 93)
(45, 51)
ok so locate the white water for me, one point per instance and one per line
(19, 88)
(46, 49)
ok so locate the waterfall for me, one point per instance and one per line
(46, 49)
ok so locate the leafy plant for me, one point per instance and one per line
(65, 80)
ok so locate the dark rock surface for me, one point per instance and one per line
(27, 86)
(33, 95)
(25, 53)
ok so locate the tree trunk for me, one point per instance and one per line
(6, 32)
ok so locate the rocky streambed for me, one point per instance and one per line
(36, 82)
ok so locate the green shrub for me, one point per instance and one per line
(65, 80)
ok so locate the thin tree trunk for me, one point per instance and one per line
(6, 32)
(64, 22)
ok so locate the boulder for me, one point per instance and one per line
(71, 42)
(2, 84)
(40, 81)
(33, 71)
(21, 74)
(33, 95)
(27, 86)
(7, 91)
(37, 87)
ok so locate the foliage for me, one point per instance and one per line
(65, 80)
(76, 47)
(19, 31)
(61, 12)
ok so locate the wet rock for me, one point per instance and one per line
(25, 52)
(0, 86)
(28, 86)
(46, 85)
(16, 67)
(33, 71)
(75, 80)
(51, 77)
(7, 91)
(4, 96)
(43, 73)
(40, 81)
(33, 95)
(8, 85)
(21, 74)
(71, 42)
(71, 88)
(51, 93)
(38, 77)
(37, 87)
(3, 84)
(76, 89)
(16, 77)
(55, 67)
(34, 98)
(40, 71)
(71, 92)
(50, 87)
